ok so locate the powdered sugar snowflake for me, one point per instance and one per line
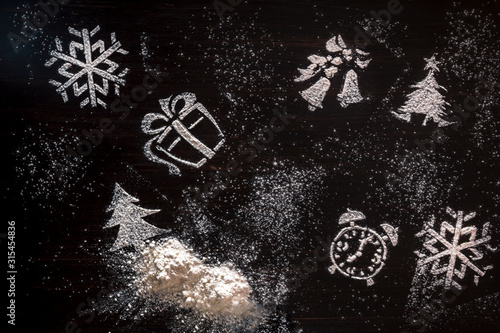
(464, 249)
(75, 69)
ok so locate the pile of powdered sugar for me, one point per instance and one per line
(169, 271)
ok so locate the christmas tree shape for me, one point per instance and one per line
(133, 229)
(427, 99)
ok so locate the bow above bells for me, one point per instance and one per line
(341, 56)
(189, 136)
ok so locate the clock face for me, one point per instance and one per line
(358, 253)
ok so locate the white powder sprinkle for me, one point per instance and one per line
(169, 270)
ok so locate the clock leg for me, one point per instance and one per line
(332, 269)
(370, 282)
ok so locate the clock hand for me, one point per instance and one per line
(359, 252)
(364, 242)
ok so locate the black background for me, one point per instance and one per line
(59, 227)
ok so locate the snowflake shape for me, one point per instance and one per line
(444, 260)
(81, 58)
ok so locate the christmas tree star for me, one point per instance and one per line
(432, 63)
(426, 99)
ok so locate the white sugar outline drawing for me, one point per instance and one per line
(454, 249)
(351, 216)
(426, 99)
(168, 107)
(329, 66)
(129, 216)
(89, 67)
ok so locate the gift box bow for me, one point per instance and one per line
(161, 124)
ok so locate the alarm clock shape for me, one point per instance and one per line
(360, 252)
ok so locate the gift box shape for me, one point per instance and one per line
(185, 133)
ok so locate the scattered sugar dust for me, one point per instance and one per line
(47, 174)
(426, 180)
(487, 308)
(386, 35)
(260, 223)
(146, 52)
(169, 270)
(471, 33)
(473, 50)
(166, 277)
(418, 181)
(241, 59)
(205, 292)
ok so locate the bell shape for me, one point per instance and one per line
(350, 92)
(316, 93)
